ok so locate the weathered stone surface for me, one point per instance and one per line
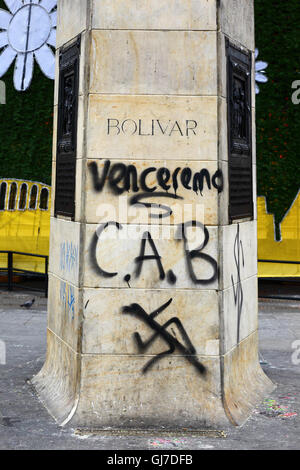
(245, 383)
(103, 204)
(153, 62)
(65, 312)
(236, 20)
(223, 215)
(81, 119)
(222, 65)
(107, 330)
(238, 253)
(79, 190)
(168, 141)
(72, 19)
(64, 249)
(223, 130)
(253, 97)
(115, 393)
(133, 321)
(239, 312)
(118, 255)
(57, 383)
(157, 15)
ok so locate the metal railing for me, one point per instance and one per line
(11, 271)
(282, 279)
(277, 261)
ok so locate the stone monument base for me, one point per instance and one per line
(152, 313)
(89, 390)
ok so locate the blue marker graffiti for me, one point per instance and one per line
(67, 299)
(68, 257)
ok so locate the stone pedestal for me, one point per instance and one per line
(152, 315)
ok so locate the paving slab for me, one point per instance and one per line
(26, 424)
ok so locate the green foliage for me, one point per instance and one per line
(26, 128)
(277, 118)
(26, 119)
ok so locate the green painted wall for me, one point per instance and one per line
(26, 124)
(277, 118)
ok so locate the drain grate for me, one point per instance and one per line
(212, 433)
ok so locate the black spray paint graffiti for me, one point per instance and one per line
(238, 289)
(160, 331)
(123, 178)
(138, 199)
(190, 255)
(93, 249)
(197, 253)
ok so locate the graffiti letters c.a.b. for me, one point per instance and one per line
(192, 257)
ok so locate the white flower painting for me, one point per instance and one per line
(26, 32)
(260, 76)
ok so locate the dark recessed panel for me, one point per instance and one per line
(67, 130)
(239, 133)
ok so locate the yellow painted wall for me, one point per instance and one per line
(25, 230)
(28, 231)
(287, 249)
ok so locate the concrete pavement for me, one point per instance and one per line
(26, 424)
